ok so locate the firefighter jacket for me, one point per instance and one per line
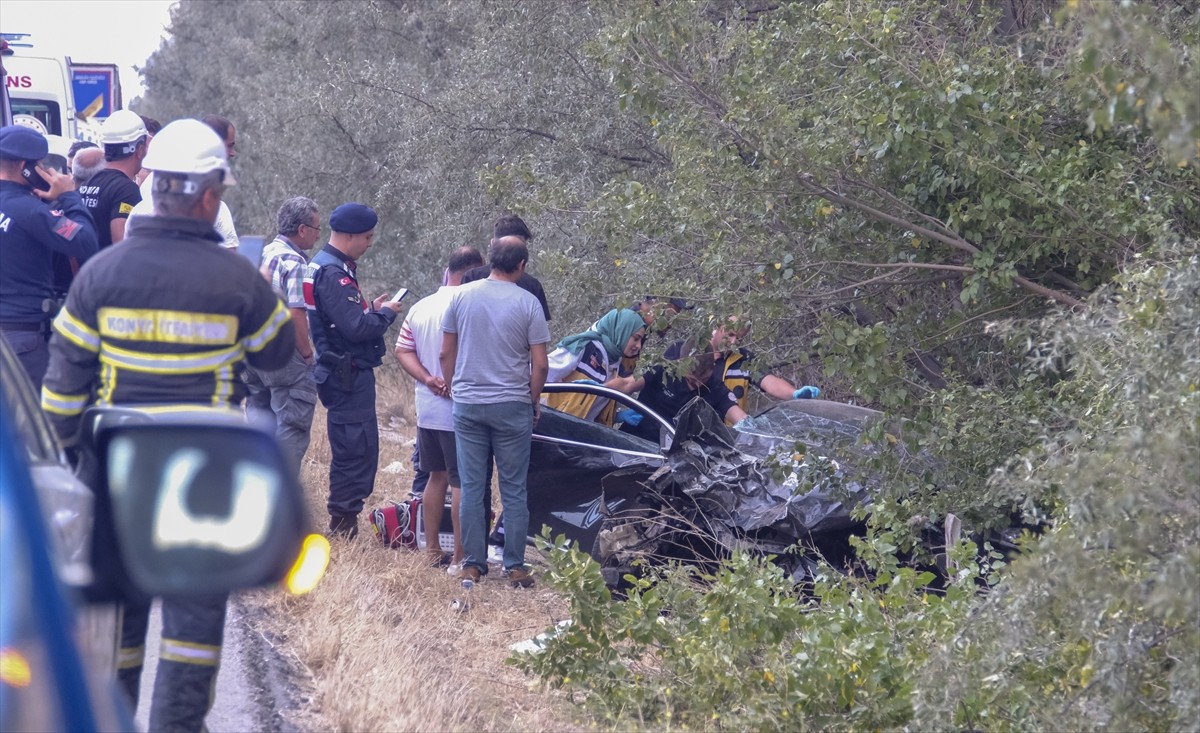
(340, 319)
(167, 317)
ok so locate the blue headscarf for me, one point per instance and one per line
(613, 330)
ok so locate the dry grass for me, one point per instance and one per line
(384, 649)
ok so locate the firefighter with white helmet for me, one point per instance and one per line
(167, 317)
(111, 194)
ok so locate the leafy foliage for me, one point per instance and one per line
(739, 650)
(982, 217)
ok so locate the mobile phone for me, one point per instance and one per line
(400, 295)
(35, 179)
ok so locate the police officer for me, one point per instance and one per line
(40, 215)
(167, 317)
(347, 332)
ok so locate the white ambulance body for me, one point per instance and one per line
(39, 92)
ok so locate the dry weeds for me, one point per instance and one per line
(378, 642)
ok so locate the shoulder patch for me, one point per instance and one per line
(66, 228)
(345, 281)
(125, 208)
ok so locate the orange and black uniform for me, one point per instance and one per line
(165, 318)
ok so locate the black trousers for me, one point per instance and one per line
(188, 659)
(32, 351)
(353, 441)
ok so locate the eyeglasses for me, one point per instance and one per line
(316, 228)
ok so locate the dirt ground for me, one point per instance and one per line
(378, 646)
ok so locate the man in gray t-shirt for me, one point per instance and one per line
(493, 357)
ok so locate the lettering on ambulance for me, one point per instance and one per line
(19, 82)
(173, 327)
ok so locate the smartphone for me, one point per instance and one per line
(35, 179)
(400, 295)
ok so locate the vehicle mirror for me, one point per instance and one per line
(195, 503)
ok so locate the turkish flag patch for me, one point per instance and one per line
(66, 228)
(345, 281)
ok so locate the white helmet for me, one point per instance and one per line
(188, 147)
(123, 126)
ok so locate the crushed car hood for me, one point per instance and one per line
(790, 470)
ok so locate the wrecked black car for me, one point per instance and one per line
(783, 482)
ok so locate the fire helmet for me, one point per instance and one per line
(188, 147)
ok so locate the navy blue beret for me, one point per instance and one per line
(353, 218)
(18, 142)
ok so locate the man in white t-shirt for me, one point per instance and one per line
(417, 348)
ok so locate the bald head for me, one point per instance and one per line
(88, 162)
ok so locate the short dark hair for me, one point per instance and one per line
(152, 125)
(511, 225)
(464, 258)
(80, 145)
(507, 253)
(219, 124)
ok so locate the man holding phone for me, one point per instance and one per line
(40, 214)
(347, 332)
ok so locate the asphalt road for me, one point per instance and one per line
(252, 687)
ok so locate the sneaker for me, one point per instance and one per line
(519, 577)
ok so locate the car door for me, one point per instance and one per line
(579, 469)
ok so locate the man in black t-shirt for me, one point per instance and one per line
(667, 395)
(111, 194)
(511, 225)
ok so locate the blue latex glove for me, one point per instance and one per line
(806, 393)
(629, 416)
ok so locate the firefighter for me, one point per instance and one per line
(166, 317)
(347, 332)
(40, 215)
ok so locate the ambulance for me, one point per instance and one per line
(55, 96)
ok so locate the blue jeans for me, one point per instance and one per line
(503, 429)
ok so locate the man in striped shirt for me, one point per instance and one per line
(289, 395)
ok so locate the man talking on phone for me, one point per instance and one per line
(40, 214)
(347, 333)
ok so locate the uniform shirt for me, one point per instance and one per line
(31, 231)
(283, 264)
(735, 373)
(421, 333)
(340, 319)
(166, 318)
(109, 195)
(496, 322)
(526, 281)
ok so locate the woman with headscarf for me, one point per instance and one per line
(595, 355)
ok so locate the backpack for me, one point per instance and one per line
(400, 524)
